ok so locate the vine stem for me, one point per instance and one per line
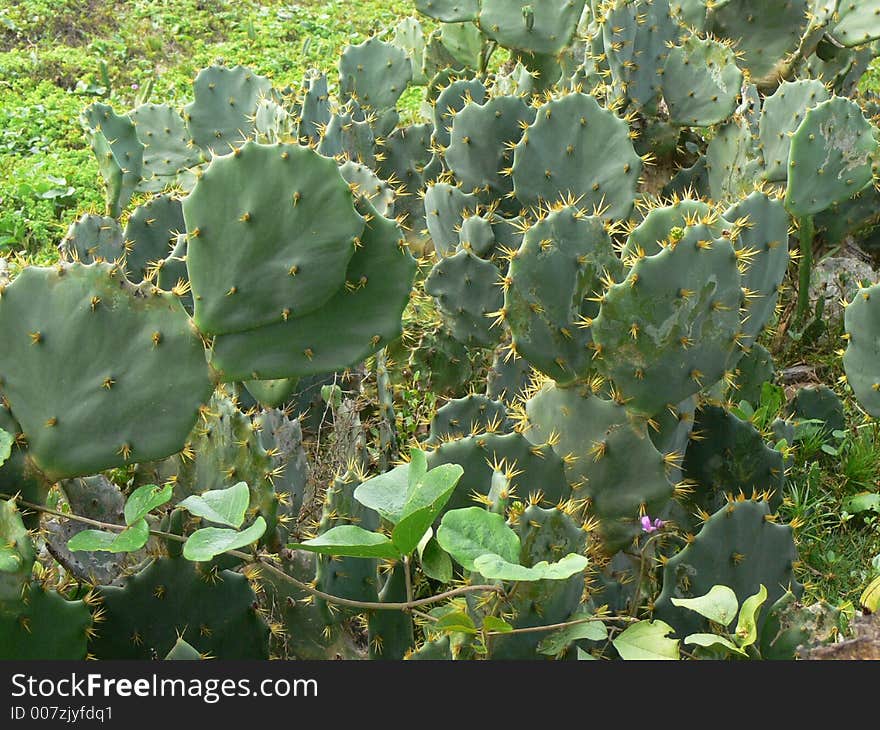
(562, 625)
(263, 561)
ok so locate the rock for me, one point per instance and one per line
(865, 645)
(836, 278)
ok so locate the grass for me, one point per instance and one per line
(51, 56)
(58, 56)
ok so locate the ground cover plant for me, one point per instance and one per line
(507, 330)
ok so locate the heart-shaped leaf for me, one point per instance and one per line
(493, 623)
(711, 640)
(209, 542)
(457, 621)
(559, 641)
(719, 605)
(435, 562)
(747, 624)
(468, 533)
(386, 493)
(144, 500)
(6, 441)
(129, 540)
(647, 640)
(424, 503)
(223, 506)
(350, 541)
(494, 567)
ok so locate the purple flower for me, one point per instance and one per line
(651, 526)
(135, 87)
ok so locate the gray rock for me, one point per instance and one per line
(836, 278)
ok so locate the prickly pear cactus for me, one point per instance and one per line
(79, 421)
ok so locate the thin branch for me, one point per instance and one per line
(562, 625)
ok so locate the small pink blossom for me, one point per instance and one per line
(651, 526)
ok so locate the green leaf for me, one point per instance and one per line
(6, 441)
(493, 623)
(386, 493)
(747, 625)
(223, 506)
(584, 655)
(863, 502)
(468, 533)
(350, 541)
(418, 467)
(713, 640)
(719, 605)
(435, 562)
(559, 641)
(425, 502)
(209, 542)
(647, 640)
(129, 540)
(494, 567)
(144, 500)
(457, 621)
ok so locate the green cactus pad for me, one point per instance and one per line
(272, 393)
(545, 534)
(480, 143)
(701, 82)
(732, 162)
(375, 73)
(44, 625)
(508, 377)
(271, 230)
(363, 316)
(467, 291)
(315, 114)
(364, 183)
(214, 611)
(477, 235)
(608, 456)
(221, 117)
(348, 137)
(446, 207)
(356, 579)
(819, 403)
(390, 633)
(17, 556)
(535, 468)
(17, 473)
(766, 34)
(670, 328)
(151, 235)
(576, 149)
(653, 232)
(449, 102)
(832, 157)
(78, 418)
(737, 547)
(545, 27)
(119, 153)
(858, 22)
(762, 239)
(729, 456)
(464, 416)
(168, 148)
(755, 368)
(93, 238)
(404, 155)
(637, 34)
(449, 11)
(781, 115)
(862, 358)
(551, 279)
